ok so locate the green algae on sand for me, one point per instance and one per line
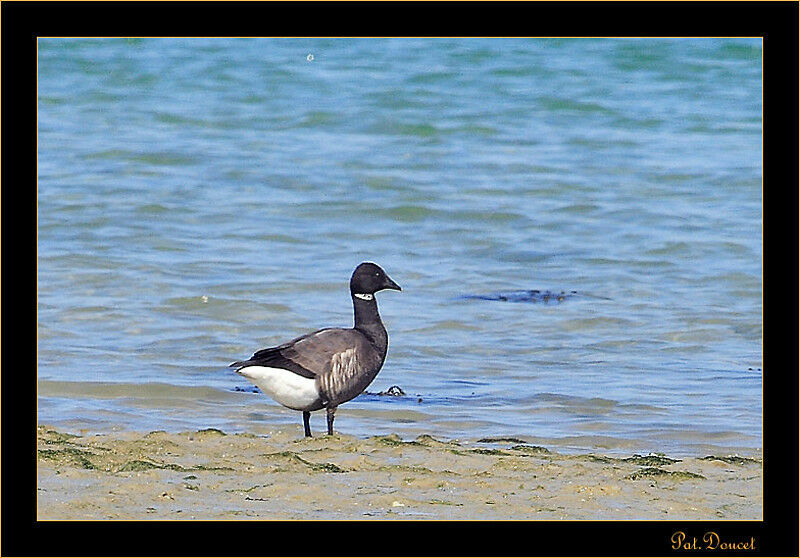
(732, 459)
(656, 472)
(68, 456)
(209, 474)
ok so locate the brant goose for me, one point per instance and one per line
(330, 366)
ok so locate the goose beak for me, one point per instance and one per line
(389, 284)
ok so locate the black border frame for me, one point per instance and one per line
(23, 22)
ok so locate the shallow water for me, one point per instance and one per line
(201, 199)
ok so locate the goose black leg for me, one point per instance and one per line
(306, 416)
(331, 411)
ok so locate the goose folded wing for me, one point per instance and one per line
(308, 355)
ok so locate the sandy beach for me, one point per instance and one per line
(212, 475)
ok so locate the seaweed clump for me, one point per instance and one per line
(72, 456)
(656, 472)
(731, 459)
(650, 460)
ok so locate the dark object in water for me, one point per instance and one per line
(531, 295)
(393, 391)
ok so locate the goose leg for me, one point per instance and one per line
(331, 411)
(306, 416)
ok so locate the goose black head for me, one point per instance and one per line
(368, 278)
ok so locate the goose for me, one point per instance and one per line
(330, 366)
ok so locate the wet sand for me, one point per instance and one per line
(212, 475)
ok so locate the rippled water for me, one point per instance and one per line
(201, 199)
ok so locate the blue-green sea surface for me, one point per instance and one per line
(199, 199)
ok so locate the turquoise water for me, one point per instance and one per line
(201, 199)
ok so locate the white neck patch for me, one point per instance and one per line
(363, 296)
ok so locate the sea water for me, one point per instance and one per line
(200, 199)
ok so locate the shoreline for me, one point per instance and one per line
(208, 474)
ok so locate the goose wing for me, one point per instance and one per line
(311, 355)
